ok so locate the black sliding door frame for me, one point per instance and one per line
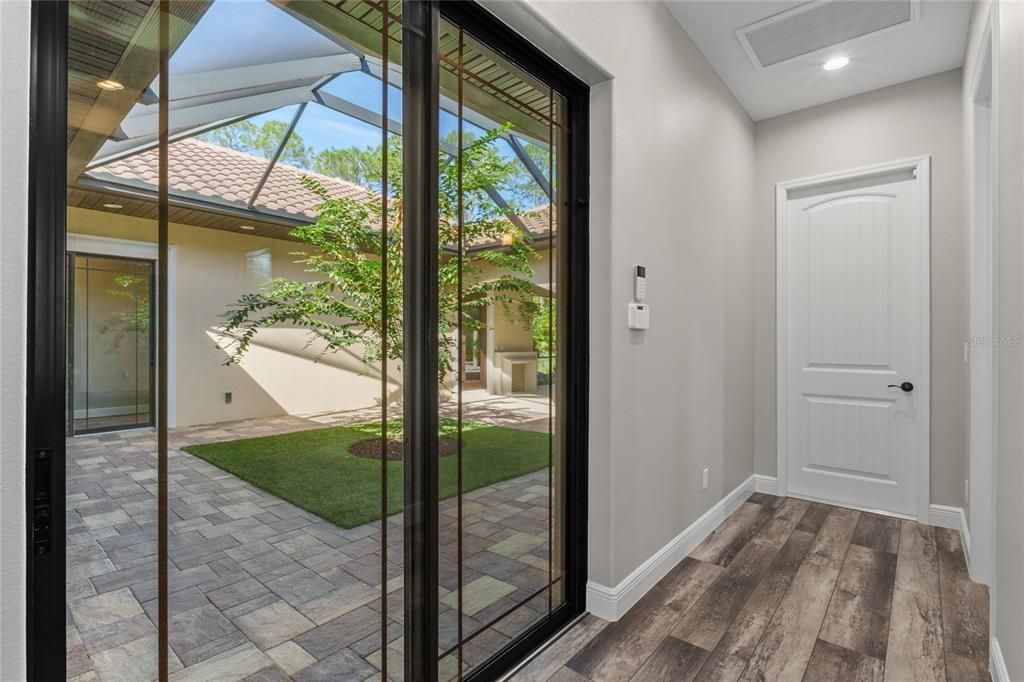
(420, 102)
(484, 27)
(46, 352)
(46, 345)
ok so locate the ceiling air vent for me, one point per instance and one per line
(820, 25)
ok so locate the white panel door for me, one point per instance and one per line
(854, 315)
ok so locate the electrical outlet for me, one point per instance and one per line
(967, 491)
(705, 475)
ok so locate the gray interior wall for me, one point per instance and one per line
(15, 31)
(910, 119)
(1008, 593)
(672, 180)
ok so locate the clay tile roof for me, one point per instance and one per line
(208, 170)
(202, 169)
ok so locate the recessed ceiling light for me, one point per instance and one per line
(110, 85)
(836, 63)
(246, 227)
(113, 205)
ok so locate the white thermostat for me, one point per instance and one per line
(639, 283)
(639, 316)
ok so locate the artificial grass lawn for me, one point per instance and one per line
(314, 469)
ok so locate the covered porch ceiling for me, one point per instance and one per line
(295, 61)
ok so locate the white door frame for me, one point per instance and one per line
(129, 248)
(921, 168)
(983, 354)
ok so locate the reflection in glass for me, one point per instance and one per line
(498, 315)
(282, 519)
(111, 350)
(283, 532)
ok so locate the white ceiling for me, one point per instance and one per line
(933, 44)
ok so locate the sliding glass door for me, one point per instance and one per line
(110, 347)
(501, 203)
(324, 341)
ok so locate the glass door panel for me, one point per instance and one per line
(111, 310)
(285, 471)
(239, 442)
(501, 510)
(111, 478)
(257, 529)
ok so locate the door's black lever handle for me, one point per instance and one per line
(906, 386)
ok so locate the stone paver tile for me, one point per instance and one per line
(236, 593)
(78, 662)
(273, 624)
(106, 519)
(300, 586)
(517, 545)
(535, 561)
(115, 634)
(396, 658)
(182, 600)
(135, 661)
(340, 632)
(191, 630)
(271, 674)
(339, 602)
(291, 657)
(249, 606)
(341, 665)
(105, 609)
(231, 665)
(479, 594)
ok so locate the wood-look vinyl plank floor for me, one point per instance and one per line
(786, 589)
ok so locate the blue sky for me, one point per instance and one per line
(236, 33)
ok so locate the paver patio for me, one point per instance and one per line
(261, 589)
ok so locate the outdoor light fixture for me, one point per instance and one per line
(113, 206)
(109, 85)
(246, 227)
(508, 239)
(836, 63)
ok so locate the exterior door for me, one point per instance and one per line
(111, 359)
(474, 345)
(853, 340)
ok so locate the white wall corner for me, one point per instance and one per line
(996, 662)
(15, 53)
(765, 484)
(954, 518)
(611, 603)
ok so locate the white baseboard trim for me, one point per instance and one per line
(996, 662)
(954, 518)
(945, 517)
(611, 603)
(766, 484)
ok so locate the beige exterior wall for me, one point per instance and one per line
(279, 375)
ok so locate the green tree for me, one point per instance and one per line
(544, 327)
(343, 305)
(522, 185)
(130, 320)
(263, 140)
(361, 166)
